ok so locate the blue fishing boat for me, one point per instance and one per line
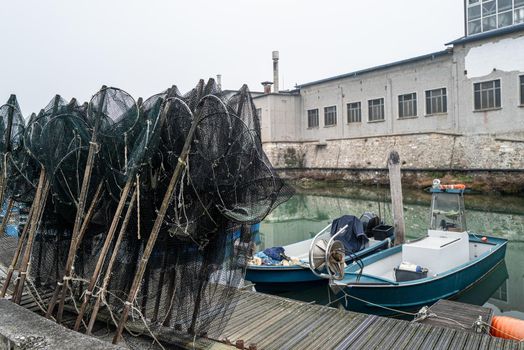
(407, 277)
(294, 271)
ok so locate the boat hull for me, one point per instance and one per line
(280, 279)
(414, 295)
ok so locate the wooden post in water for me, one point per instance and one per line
(395, 186)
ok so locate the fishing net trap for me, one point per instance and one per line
(138, 208)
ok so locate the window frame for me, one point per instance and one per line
(481, 18)
(429, 101)
(381, 106)
(316, 117)
(521, 85)
(404, 106)
(481, 90)
(332, 113)
(351, 119)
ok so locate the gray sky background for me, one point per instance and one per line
(73, 47)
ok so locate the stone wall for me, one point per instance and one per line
(484, 162)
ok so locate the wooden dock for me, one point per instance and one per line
(268, 322)
(260, 321)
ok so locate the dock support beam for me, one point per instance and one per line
(396, 196)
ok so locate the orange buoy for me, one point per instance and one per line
(453, 187)
(507, 328)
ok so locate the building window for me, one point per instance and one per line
(522, 90)
(436, 101)
(376, 109)
(487, 95)
(312, 118)
(354, 112)
(330, 115)
(407, 105)
(488, 15)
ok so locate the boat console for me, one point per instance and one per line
(440, 251)
(447, 243)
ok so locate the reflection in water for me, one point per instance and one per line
(305, 214)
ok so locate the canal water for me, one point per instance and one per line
(503, 216)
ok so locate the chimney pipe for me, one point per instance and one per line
(275, 72)
(219, 81)
(267, 87)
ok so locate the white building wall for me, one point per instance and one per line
(285, 118)
(279, 116)
(502, 58)
(387, 84)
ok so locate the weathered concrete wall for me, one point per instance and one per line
(486, 162)
(279, 116)
(21, 329)
(388, 84)
(487, 60)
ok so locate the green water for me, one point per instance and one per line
(309, 211)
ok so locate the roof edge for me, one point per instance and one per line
(430, 56)
(487, 35)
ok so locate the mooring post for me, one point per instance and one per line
(396, 196)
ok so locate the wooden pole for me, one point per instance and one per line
(79, 218)
(5, 220)
(104, 251)
(83, 229)
(18, 252)
(40, 199)
(158, 222)
(396, 196)
(107, 277)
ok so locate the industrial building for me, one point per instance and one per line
(474, 86)
(458, 112)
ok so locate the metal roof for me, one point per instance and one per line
(488, 35)
(430, 56)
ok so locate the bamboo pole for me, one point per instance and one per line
(103, 252)
(40, 200)
(158, 222)
(85, 224)
(160, 287)
(5, 220)
(75, 239)
(396, 196)
(107, 277)
(18, 252)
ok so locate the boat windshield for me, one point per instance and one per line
(447, 212)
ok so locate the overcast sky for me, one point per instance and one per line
(73, 47)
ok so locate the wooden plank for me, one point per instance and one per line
(253, 318)
(445, 339)
(390, 338)
(497, 343)
(485, 343)
(473, 341)
(304, 332)
(282, 333)
(356, 333)
(332, 332)
(457, 315)
(460, 339)
(420, 336)
(408, 332)
(274, 325)
(242, 314)
(381, 333)
(368, 335)
(432, 338)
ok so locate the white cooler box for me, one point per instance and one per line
(439, 252)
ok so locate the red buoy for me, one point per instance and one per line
(507, 328)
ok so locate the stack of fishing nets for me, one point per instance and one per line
(149, 205)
